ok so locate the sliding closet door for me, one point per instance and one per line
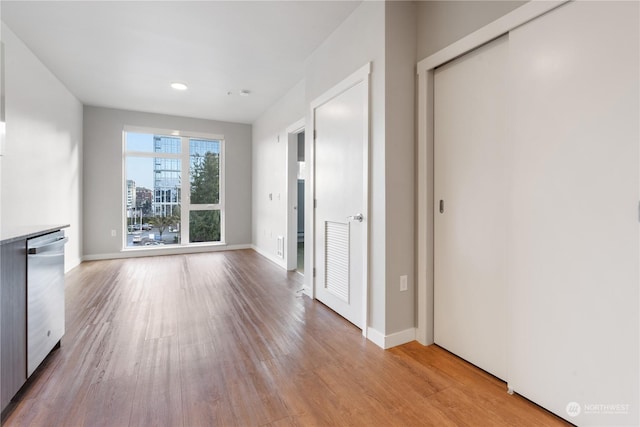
(573, 250)
(470, 193)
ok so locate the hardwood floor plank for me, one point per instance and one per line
(226, 338)
(251, 397)
(109, 403)
(204, 398)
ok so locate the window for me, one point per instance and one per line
(158, 199)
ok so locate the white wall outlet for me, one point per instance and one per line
(403, 283)
(113, 233)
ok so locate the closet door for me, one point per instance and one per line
(573, 250)
(470, 201)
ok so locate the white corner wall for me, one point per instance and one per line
(42, 162)
(269, 166)
(103, 174)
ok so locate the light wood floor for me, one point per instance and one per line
(227, 339)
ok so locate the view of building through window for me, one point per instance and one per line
(154, 190)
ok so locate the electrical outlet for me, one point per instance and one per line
(403, 283)
(113, 233)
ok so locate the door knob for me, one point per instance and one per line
(357, 217)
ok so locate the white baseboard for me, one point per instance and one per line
(399, 338)
(274, 259)
(135, 253)
(375, 337)
(391, 340)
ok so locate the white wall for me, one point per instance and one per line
(103, 186)
(269, 165)
(42, 162)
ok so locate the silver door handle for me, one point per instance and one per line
(357, 217)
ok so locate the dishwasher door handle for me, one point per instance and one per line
(47, 247)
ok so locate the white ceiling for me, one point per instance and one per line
(125, 54)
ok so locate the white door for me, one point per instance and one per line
(341, 211)
(470, 200)
(574, 252)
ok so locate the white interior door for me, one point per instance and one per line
(340, 194)
(470, 125)
(574, 252)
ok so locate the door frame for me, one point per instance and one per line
(425, 71)
(359, 76)
(291, 250)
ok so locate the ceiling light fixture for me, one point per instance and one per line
(179, 86)
(244, 92)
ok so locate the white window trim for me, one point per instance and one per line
(172, 132)
(186, 205)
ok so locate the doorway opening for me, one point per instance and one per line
(300, 204)
(296, 173)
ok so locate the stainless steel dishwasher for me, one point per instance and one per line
(45, 296)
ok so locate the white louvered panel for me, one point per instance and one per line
(336, 265)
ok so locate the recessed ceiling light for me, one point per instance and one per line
(179, 86)
(244, 93)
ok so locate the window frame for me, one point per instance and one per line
(185, 182)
